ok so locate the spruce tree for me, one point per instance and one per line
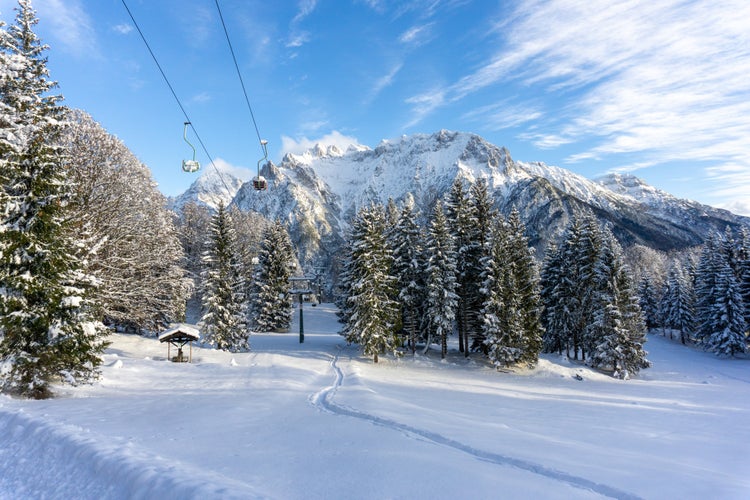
(373, 314)
(442, 300)
(678, 302)
(706, 274)
(511, 313)
(744, 271)
(553, 338)
(224, 314)
(617, 331)
(47, 323)
(648, 300)
(406, 242)
(726, 319)
(271, 307)
(457, 214)
(480, 219)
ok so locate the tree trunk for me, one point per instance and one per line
(443, 345)
(375, 358)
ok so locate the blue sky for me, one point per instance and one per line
(659, 89)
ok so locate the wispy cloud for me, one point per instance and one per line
(383, 82)
(201, 98)
(297, 36)
(417, 35)
(503, 115)
(122, 29)
(665, 79)
(70, 25)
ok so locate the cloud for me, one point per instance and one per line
(503, 115)
(70, 25)
(201, 98)
(667, 80)
(298, 37)
(303, 144)
(383, 82)
(416, 35)
(122, 29)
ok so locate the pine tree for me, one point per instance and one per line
(554, 338)
(457, 213)
(744, 271)
(617, 331)
(47, 323)
(678, 302)
(648, 300)
(442, 300)
(271, 302)
(406, 241)
(480, 220)
(706, 273)
(726, 319)
(511, 313)
(224, 307)
(373, 314)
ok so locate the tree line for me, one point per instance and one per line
(469, 270)
(704, 297)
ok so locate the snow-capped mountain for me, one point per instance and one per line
(318, 192)
(217, 183)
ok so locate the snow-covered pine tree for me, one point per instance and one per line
(47, 324)
(678, 303)
(744, 271)
(617, 331)
(512, 324)
(587, 255)
(373, 314)
(224, 308)
(138, 259)
(271, 303)
(566, 319)
(553, 339)
(726, 319)
(480, 219)
(457, 216)
(648, 300)
(706, 273)
(441, 300)
(526, 286)
(406, 241)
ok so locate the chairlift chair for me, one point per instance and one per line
(259, 182)
(189, 166)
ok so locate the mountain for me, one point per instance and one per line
(319, 191)
(217, 183)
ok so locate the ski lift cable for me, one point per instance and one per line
(188, 121)
(239, 75)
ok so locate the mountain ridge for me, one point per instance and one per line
(317, 192)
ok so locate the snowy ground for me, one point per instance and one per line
(316, 420)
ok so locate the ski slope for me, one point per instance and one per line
(317, 420)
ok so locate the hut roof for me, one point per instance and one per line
(180, 332)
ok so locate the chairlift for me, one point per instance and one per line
(259, 182)
(189, 166)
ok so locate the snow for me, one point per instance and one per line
(187, 329)
(318, 420)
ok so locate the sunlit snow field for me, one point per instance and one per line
(317, 420)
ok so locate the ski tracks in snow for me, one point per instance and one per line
(323, 399)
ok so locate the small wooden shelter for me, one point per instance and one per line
(178, 335)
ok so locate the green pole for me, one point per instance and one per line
(301, 322)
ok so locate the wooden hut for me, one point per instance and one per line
(178, 335)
